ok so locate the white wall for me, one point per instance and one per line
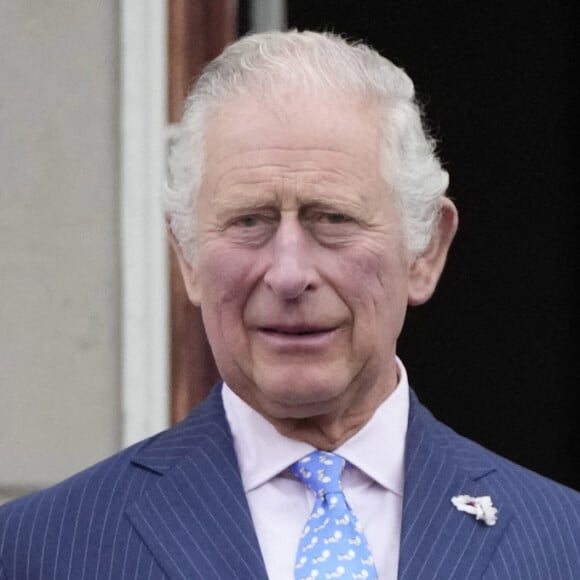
(59, 239)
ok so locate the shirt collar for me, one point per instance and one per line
(378, 449)
(263, 453)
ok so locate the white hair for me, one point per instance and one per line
(258, 64)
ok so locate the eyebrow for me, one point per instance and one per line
(248, 203)
(328, 203)
(245, 204)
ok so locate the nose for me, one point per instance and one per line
(291, 271)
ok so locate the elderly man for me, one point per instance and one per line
(307, 208)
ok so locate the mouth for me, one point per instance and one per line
(297, 339)
(294, 331)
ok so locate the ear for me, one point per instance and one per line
(188, 272)
(425, 271)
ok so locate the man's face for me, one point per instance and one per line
(301, 272)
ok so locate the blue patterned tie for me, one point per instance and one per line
(332, 544)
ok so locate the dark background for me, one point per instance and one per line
(495, 353)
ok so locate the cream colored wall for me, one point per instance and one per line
(59, 239)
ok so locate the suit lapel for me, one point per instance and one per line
(197, 524)
(196, 520)
(438, 541)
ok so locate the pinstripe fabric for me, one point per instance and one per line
(173, 507)
(537, 535)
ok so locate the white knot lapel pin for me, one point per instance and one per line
(480, 507)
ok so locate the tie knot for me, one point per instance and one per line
(320, 471)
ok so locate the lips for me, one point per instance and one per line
(297, 339)
(300, 330)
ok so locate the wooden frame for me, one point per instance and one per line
(198, 31)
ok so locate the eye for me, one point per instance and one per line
(247, 221)
(334, 218)
(250, 229)
(331, 227)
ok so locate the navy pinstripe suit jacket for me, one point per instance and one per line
(173, 507)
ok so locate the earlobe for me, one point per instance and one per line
(189, 273)
(426, 270)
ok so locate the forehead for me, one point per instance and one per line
(296, 127)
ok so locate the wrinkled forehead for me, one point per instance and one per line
(292, 119)
(296, 151)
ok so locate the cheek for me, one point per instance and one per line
(373, 284)
(222, 301)
(229, 278)
(226, 275)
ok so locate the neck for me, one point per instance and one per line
(325, 424)
(330, 431)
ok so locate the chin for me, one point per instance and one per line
(300, 398)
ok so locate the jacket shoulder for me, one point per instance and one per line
(479, 460)
(126, 469)
(544, 515)
(81, 523)
(98, 480)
